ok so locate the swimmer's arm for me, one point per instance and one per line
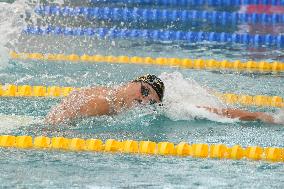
(242, 114)
(77, 104)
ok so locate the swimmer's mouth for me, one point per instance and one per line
(138, 101)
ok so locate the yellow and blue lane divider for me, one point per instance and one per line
(57, 91)
(220, 3)
(161, 15)
(183, 149)
(160, 35)
(208, 64)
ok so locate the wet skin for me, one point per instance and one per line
(98, 101)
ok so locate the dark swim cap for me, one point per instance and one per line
(155, 82)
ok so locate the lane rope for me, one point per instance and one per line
(161, 35)
(183, 149)
(161, 15)
(195, 2)
(57, 91)
(208, 64)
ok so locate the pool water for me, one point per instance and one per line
(57, 169)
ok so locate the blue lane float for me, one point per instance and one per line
(194, 2)
(161, 35)
(161, 15)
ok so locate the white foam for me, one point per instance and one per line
(183, 96)
(279, 117)
(10, 122)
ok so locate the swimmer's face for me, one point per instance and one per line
(147, 95)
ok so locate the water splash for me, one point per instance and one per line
(184, 95)
(279, 117)
(12, 21)
(11, 122)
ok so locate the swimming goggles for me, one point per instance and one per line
(145, 92)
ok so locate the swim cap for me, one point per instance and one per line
(155, 82)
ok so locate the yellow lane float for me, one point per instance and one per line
(183, 149)
(187, 63)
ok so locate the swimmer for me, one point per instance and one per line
(98, 101)
(147, 89)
